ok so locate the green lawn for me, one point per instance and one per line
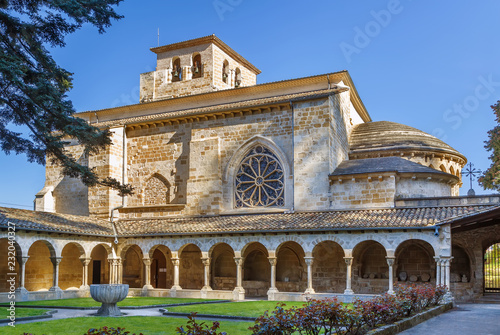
(149, 325)
(89, 302)
(21, 312)
(245, 308)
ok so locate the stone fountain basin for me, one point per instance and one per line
(109, 295)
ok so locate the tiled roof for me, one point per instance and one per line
(385, 135)
(383, 164)
(305, 221)
(62, 223)
(420, 217)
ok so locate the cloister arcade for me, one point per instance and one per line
(273, 266)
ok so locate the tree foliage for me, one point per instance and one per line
(33, 88)
(491, 177)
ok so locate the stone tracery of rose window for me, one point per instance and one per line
(259, 180)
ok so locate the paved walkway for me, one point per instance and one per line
(75, 313)
(465, 319)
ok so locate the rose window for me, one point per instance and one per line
(260, 180)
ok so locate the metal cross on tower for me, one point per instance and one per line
(470, 172)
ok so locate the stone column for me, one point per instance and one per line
(85, 276)
(438, 270)
(348, 262)
(147, 274)
(390, 262)
(443, 273)
(239, 291)
(55, 278)
(22, 268)
(309, 262)
(21, 291)
(119, 270)
(111, 271)
(206, 274)
(272, 290)
(176, 262)
(447, 264)
(232, 75)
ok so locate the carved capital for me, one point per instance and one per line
(239, 261)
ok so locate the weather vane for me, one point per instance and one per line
(470, 172)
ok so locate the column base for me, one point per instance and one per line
(309, 291)
(447, 298)
(271, 292)
(204, 291)
(147, 287)
(239, 294)
(84, 287)
(57, 290)
(21, 294)
(348, 291)
(174, 289)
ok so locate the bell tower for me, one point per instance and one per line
(196, 66)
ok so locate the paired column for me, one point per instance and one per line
(176, 262)
(438, 271)
(115, 270)
(147, 274)
(206, 274)
(348, 262)
(85, 276)
(390, 262)
(22, 270)
(443, 271)
(272, 290)
(239, 291)
(55, 279)
(309, 263)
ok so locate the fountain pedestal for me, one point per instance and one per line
(109, 295)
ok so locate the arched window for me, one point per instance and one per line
(176, 69)
(237, 82)
(225, 71)
(259, 180)
(197, 68)
(156, 191)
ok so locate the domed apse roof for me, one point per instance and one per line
(390, 136)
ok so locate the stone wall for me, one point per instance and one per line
(107, 163)
(70, 268)
(472, 243)
(375, 191)
(420, 187)
(39, 268)
(63, 194)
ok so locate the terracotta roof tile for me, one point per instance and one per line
(290, 222)
(53, 222)
(418, 217)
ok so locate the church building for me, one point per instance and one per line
(283, 190)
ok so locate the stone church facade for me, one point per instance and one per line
(282, 190)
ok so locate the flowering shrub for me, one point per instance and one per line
(108, 331)
(195, 328)
(328, 316)
(281, 322)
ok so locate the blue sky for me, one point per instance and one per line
(432, 65)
